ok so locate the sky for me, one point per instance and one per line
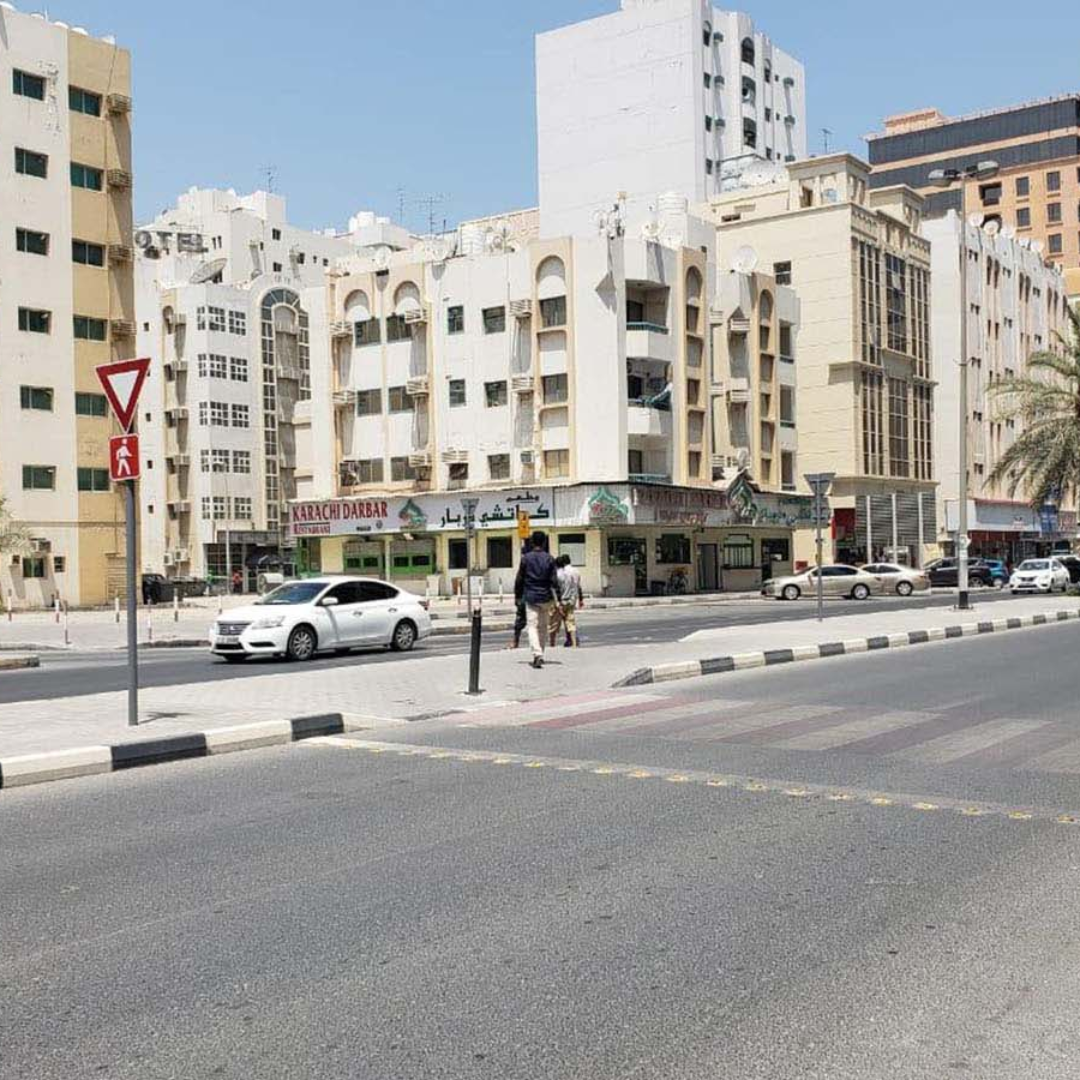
(429, 105)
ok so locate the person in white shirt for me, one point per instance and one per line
(570, 599)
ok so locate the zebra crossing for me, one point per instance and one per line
(955, 733)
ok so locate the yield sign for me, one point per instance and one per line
(124, 457)
(122, 382)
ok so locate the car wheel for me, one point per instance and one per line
(302, 644)
(860, 592)
(904, 588)
(404, 636)
(791, 592)
(234, 658)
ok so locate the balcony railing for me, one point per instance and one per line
(650, 327)
(650, 478)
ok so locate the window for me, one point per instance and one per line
(553, 312)
(457, 555)
(277, 268)
(241, 416)
(708, 123)
(86, 176)
(1023, 217)
(787, 346)
(39, 477)
(899, 461)
(708, 80)
(238, 322)
(708, 166)
(398, 400)
(90, 404)
(787, 470)
(556, 389)
(1023, 187)
(34, 321)
(500, 552)
(922, 397)
(93, 479)
(31, 163)
(787, 406)
(873, 434)
(498, 466)
(494, 320)
(366, 332)
(738, 553)
(556, 463)
(238, 368)
(635, 462)
(750, 133)
(241, 461)
(747, 50)
(782, 273)
(26, 85)
(368, 471)
(369, 403)
(673, 548)
(215, 318)
(397, 329)
(573, 544)
(896, 302)
(401, 470)
(1054, 241)
(31, 242)
(457, 393)
(1053, 213)
(219, 414)
(1053, 181)
(459, 475)
(87, 328)
(275, 234)
(36, 397)
(242, 508)
(990, 194)
(84, 101)
(219, 461)
(87, 254)
(495, 394)
(33, 566)
(455, 319)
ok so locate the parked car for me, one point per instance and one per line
(301, 618)
(998, 570)
(1039, 575)
(1072, 564)
(945, 573)
(892, 578)
(846, 581)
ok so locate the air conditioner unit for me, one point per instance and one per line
(119, 179)
(528, 457)
(421, 459)
(182, 555)
(177, 414)
(455, 457)
(415, 315)
(167, 559)
(341, 328)
(40, 546)
(523, 384)
(122, 328)
(120, 253)
(344, 398)
(716, 315)
(118, 104)
(180, 506)
(520, 309)
(179, 461)
(417, 386)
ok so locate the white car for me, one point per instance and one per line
(1040, 576)
(302, 618)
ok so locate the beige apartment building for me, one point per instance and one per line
(1036, 193)
(865, 404)
(67, 303)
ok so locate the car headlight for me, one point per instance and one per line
(268, 623)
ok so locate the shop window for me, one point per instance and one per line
(573, 544)
(457, 555)
(673, 548)
(625, 551)
(738, 553)
(33, 566)
(775, 550)
(500, 552)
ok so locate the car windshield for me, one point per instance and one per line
(1035, 564)
(296, 592)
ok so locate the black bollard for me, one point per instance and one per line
(474, 653)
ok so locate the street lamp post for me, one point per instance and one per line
(984, 170)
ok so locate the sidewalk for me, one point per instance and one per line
(414, 687)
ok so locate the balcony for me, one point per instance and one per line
(647, 340)
(521, 309)
(122, 328)
(522, 384)
(420, 459)
(649, 422)
(341, 329)
(120, 254)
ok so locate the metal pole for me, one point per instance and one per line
(818, 510)
(132, 613)
(963, 603)
(474, 653)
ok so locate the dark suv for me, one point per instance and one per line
(946, 572)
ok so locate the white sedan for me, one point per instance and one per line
(302, 618)
(1039, 576)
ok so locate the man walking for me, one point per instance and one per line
(537, 584)
(570, 599)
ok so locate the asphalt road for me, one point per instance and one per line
(71, 674)
(318, 911)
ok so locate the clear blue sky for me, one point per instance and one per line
(351, 100)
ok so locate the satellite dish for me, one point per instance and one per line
(382, 257)
(745, 260)
(992, 228)
(207, 271)
(437, 251)
(976, 220)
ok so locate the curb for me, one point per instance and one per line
(90, 760)
(15, 663)
(719, 665)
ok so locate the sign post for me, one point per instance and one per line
(469, 506)
(819, 485)
(122, 382)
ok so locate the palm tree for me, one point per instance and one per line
(1045, 401)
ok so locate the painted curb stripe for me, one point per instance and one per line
(308, 727)
(155, 751)
(779, 656)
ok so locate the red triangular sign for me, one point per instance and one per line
(122, 382)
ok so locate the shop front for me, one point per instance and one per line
(1012, 531)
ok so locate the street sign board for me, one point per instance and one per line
(524, 525)
(122, 382)
(123, 457)
(820, 482)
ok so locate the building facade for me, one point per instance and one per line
(66, 304)
(1037, 191)
(1015, 306)
(662, 95)
(861, 272)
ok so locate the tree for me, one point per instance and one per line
(13, 537)
(1045, 403)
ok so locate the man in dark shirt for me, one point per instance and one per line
(538, 585)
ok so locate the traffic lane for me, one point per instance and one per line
(311, 912)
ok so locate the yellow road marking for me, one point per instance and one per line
(926, 806)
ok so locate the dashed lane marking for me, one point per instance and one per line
(806, 793)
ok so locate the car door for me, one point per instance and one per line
(833, 578)
(885, 577)
(344, 617)
(380, 606)
(945, 573)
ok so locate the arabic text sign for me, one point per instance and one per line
(494, 510)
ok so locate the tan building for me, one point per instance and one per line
(1036, 192)
(862, 350)
(67, 304)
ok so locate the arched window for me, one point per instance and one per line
(406, 298)
(357, 306)
(765, 307)
(706, 35)
(748, 50)
(749, 91)
(749, 134)
(693, 284)
(551, 292)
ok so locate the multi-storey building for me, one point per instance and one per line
(1037, 149)
(66, 302)
(861, 272)
(221, 279)
(569, 376)
(1015, 306)
(662, 95)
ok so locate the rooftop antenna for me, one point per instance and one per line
(270, 173)
(401, 206)
(429, 203)
(825, 133)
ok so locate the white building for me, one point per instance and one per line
(220, 282)
(1015, 306)
(662, 95)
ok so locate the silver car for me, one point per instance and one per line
(896, 580)
(846, 581)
